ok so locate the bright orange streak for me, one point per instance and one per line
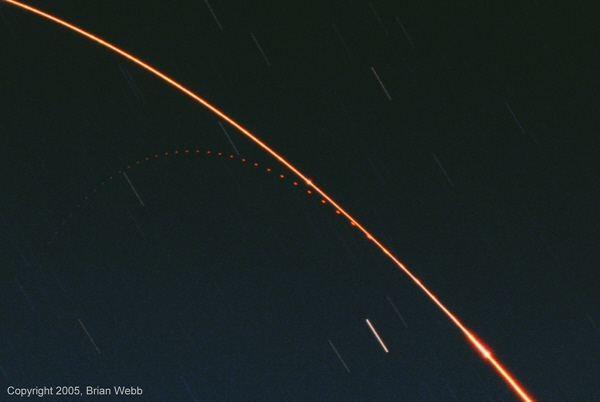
(503, 372)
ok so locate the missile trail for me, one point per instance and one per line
(475, 342)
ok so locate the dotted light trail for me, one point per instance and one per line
(475, 342)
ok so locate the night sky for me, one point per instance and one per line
(474, 160)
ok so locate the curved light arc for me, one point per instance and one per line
(486, 354)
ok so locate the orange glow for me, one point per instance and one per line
(503, 372)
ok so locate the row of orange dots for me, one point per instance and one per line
(186, 152)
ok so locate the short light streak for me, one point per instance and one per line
(405, 33)
(260, 48)
(231, 142)
(89, 336)
(377, 336)
(477, 344)
(213, 14)
(397, 312)
(340, 357)
(133, 188)
(342, 39)
(381, 83)
(443, 170)
(379, 19)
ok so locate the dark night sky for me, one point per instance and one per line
(230, 284)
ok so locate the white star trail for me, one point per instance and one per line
(341, 39)
(443, 170)
(89, 336)
(133, 188)
(379, 19)
(338, 355)
(213, 14)
(522, 129)
(260, 48)
(405, 33)
(397, 312)
(134, 88)
(377, 336)
(381, 83)
(229, 138)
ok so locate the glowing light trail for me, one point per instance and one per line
(477, 344)
(377, 336)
